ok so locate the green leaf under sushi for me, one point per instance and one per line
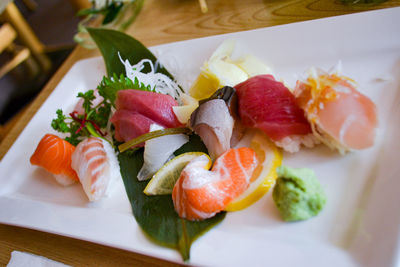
(111, 42)
(156, 214)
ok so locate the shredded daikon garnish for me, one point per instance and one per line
(161, 83)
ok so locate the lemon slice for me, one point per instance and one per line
(205, 85)
(264, 175)
(164, 179)
(221, 70)
(183, 112)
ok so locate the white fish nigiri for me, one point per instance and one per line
(158, 151)
(96, 165)
(340, 116)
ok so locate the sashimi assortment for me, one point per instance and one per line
(231, 101)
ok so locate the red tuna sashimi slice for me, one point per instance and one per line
(267, 104)
(129, 125)
(155, 106)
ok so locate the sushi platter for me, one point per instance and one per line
(360, 222)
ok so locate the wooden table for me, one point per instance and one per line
(160, 22)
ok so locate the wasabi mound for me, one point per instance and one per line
(298, 194)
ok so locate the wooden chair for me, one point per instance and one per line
(19, 53)
(12, 16)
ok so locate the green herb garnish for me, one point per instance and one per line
(109, 87)
(91, 123)
(96, 117)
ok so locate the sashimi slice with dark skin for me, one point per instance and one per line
(155, 106)
(129, 125)
(267, 104)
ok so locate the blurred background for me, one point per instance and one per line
(25, 70)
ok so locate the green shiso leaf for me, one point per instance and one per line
(156, 214)
(108, 87)
(111, 42)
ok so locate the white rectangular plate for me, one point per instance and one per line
(360, 223)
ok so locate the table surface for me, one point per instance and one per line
(176, 20)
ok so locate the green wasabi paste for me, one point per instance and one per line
(298, 194)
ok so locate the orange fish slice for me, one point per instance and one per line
(54, 155)
(199, 194)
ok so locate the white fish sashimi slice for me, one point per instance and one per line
(214, 124)
(158, 151)
(96, 165)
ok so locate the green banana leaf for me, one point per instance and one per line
(155, 214)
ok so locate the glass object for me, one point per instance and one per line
(115, 15)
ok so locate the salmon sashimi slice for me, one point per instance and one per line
(94, 168)
(54, 155)
(342, 117)
(200, 194)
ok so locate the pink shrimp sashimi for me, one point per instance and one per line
(96, 101)
(267, 104)
(341, 117)
(200, 194)
(94, 161)
(54, 155)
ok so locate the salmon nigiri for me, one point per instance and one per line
(96, 165)
(340, 116)
(200, 194)
(54, 155)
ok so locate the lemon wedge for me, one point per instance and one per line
(205, 85)
(253, 66)
(264, 175)
(184, 111)
(221, 70)
(164, 179)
